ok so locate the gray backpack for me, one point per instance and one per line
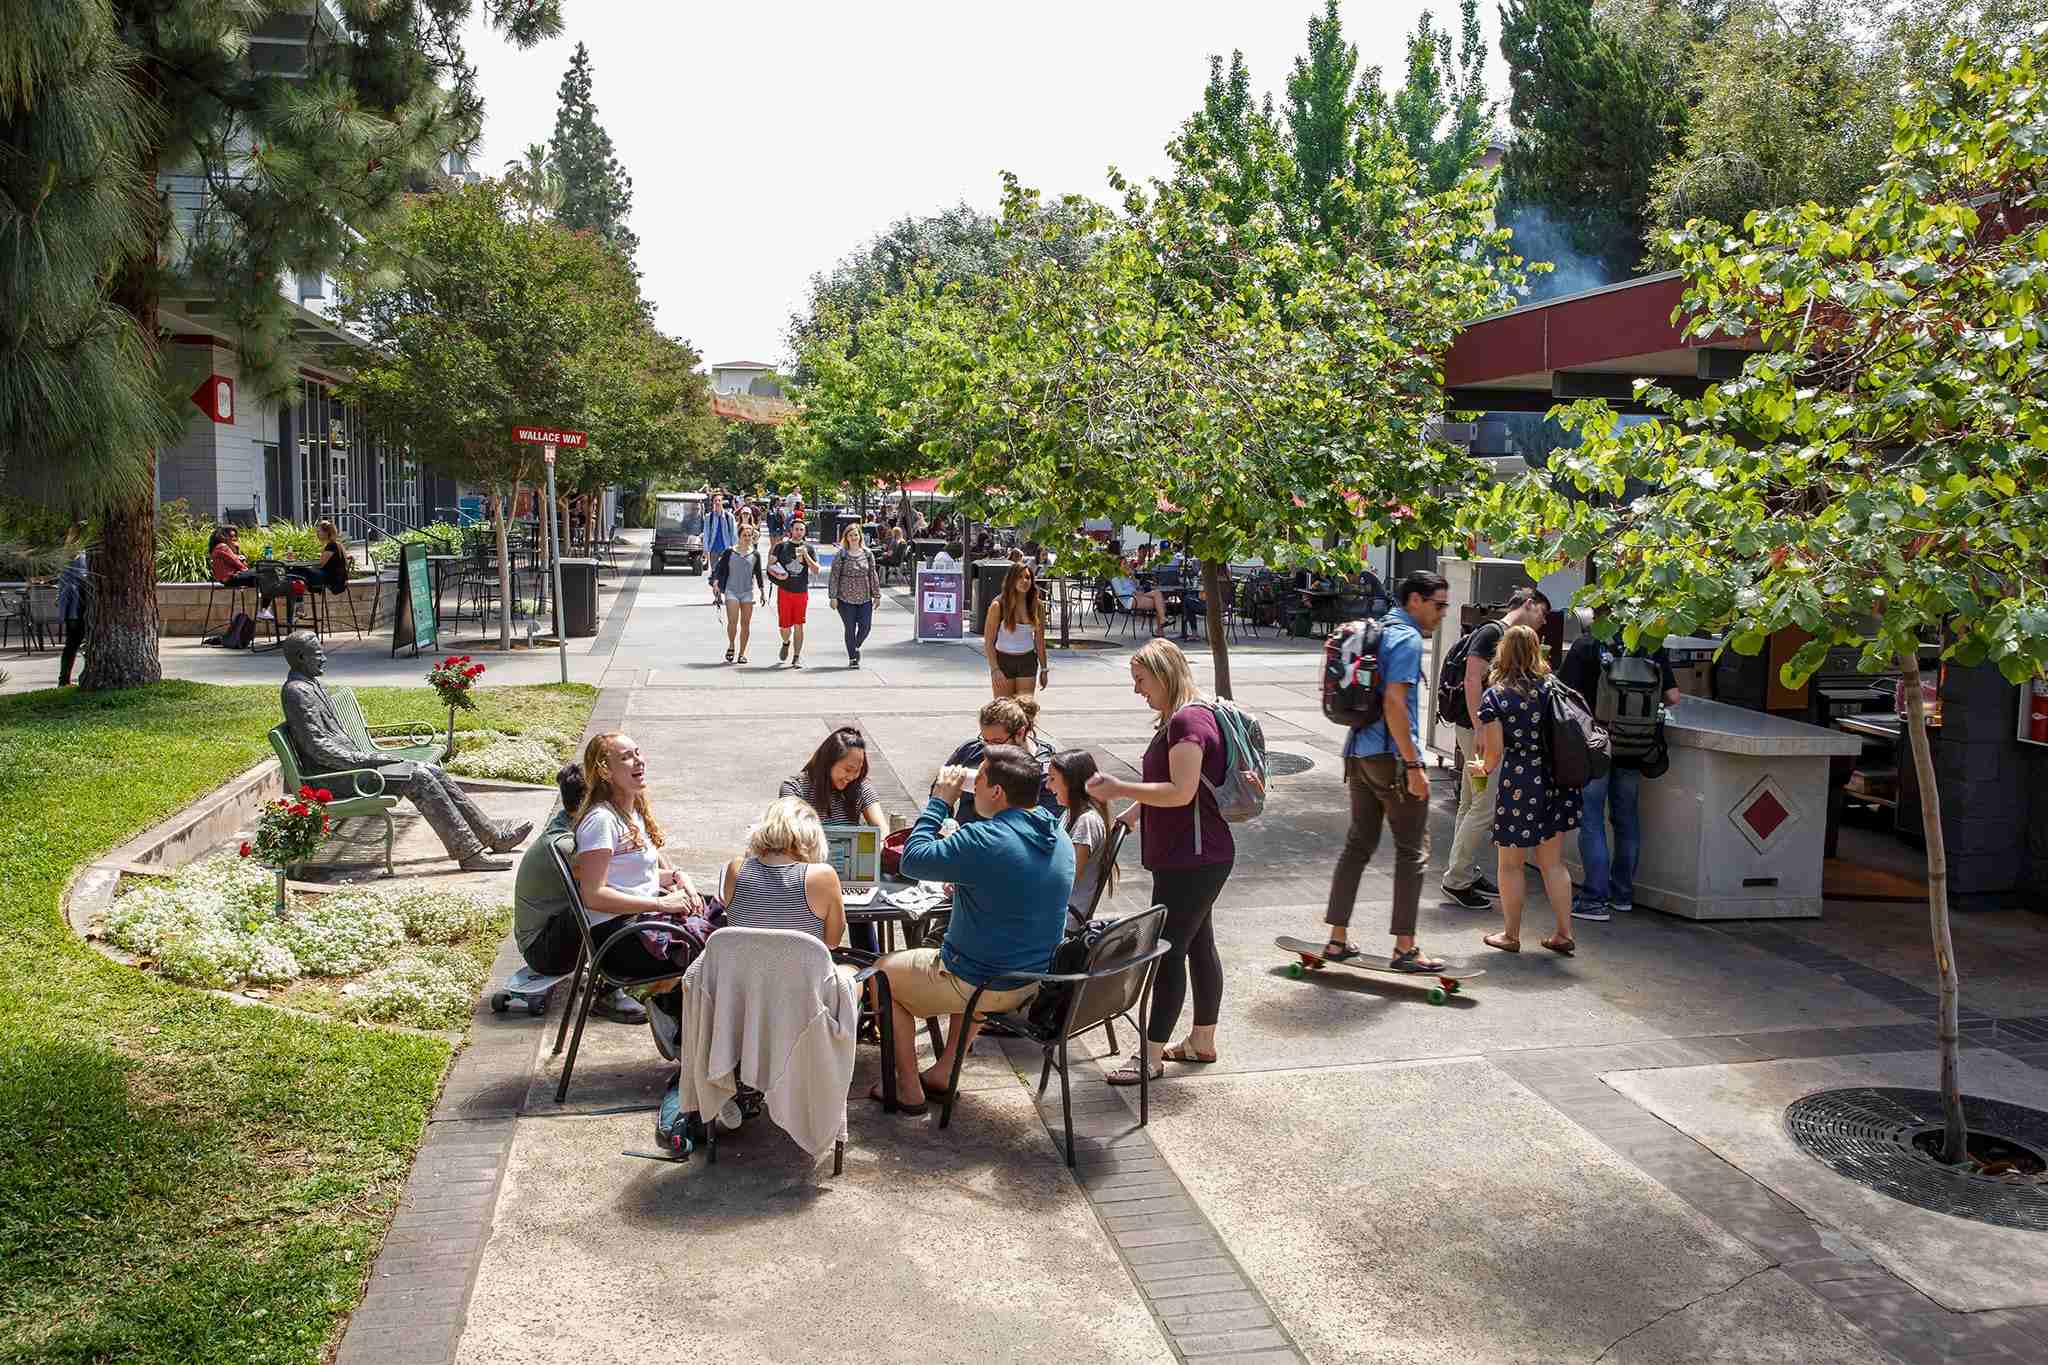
(1241, 794)
(1628, 703)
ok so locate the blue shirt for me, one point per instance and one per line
(1400, 662)
(1011, 878)
(721, 532)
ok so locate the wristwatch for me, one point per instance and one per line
(1413, 763)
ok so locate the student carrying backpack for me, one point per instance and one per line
(1630, 689)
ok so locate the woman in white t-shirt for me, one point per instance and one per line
(621, 871)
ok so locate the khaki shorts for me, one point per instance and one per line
(920, 984)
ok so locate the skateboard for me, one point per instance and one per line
(529, 988)
(1311, 960)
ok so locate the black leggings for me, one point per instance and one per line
(1189, 895)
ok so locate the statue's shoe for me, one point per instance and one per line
(483, 862)
(511, 837)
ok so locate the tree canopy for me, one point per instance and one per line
(596, 193)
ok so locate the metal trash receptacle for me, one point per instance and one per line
(579, 597)
(988, 586)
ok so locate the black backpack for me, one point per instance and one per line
(1627, 702)
(240, 633)
(1068, 959)
(1450, 681)
(1352, 694)
(1573, 741)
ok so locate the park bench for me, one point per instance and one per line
(371, 802)
(412, 741)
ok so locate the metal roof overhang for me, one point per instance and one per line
(323, 343)
(1592, 344)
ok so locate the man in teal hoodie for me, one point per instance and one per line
(1012, 871)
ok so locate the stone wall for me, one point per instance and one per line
(186, 606)
(1994, 808)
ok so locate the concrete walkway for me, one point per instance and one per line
(1362, 1176)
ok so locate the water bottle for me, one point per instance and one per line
(269, 550)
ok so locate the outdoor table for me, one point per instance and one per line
(437, 565)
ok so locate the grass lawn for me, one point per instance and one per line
(182, 1179)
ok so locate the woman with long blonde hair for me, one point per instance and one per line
(1013, 636)
(1532, 812)
(1186, 846)
(621, 871)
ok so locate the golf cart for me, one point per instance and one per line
(679, 530)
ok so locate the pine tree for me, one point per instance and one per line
(279, 167)
(1593, 114)
(80, 407)
(597, 194)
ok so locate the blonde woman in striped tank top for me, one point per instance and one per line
(782, 881)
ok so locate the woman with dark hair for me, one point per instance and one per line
(1087, 824)
(835, 782)
(1013, 636)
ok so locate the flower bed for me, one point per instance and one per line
(406, 954)
(532, 755)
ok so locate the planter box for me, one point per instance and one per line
(185, 607)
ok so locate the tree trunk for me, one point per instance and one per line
(1214, 586)
(121, 648)
(506, 502)
(1954, 1133)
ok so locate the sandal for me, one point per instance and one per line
(728, 654)
(913, 1110)
(1413, 961)
(1503, 942)
(1562, 945)
(1185, 1052)
(1338, 951)
(1131, 1072)
(743, 658)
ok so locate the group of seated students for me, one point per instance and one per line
(1008, 823)
(231, 569)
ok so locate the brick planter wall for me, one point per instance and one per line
(185, 606)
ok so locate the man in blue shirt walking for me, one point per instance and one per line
(1383, 771)
(721, 533)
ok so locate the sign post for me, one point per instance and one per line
(551, 439)
(940, 594)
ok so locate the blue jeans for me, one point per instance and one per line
(859, 619)
(1611, 876)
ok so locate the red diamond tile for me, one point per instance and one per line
(1765, 814)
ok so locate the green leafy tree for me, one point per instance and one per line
(1879, 474)
(497, 321)
(80, 402)
(275, 169)
(597, 194)
(535, 182)
(1442, 111)
(1593, 112)
(1324, 110)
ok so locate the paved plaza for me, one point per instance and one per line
(1579, 1160)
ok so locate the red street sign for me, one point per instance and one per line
(550, 436)
(216, 397)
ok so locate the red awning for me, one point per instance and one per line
(920, 485)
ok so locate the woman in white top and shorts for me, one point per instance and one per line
(1013, 636)
(622, 873)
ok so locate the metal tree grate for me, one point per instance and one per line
(1866, 1134)
(1280, 763)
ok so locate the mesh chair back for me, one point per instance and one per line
(1116, 971)
(42, 606)
(271, 578)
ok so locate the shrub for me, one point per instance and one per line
(430, 988)
(508, 759)
(342, 933)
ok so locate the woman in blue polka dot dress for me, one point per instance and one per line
(1533, 813)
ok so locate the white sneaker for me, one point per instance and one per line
(729, 1116)
(265, 614)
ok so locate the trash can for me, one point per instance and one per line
(579, 597)
(988, 586)
(828, 526)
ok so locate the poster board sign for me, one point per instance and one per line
(414, 622)
(941, 604)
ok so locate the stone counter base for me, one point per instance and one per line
(185, 607)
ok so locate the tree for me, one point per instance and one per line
(278, 169)
(535, 182)
(1323, 112)
(1592, 113)
(597, 194)
(1442, 110)
(1878, 476)
(1239, 410)
(496, 322)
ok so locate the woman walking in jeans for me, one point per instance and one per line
(853, 587)
(1185, 845)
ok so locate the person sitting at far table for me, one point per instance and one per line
(1012, 871)
(782, 880)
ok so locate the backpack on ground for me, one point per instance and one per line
(240, 632)
(1241, 795)
(1575, 743)
(1627, 703)
(1450, 682)
(1352, 695)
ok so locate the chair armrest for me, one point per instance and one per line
(368, 781)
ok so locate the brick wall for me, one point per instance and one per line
(186, 606)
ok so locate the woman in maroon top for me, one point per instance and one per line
(1185, 844)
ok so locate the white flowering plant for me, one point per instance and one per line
(427, 988)
(508, 758)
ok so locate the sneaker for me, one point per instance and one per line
(1485, 887)
(620, 1008)
(729, 1116)
(667, 1031)
(672, 1126)
(1621, 907)
(784, 654)
(1592, 910)
(1467, 897)
(265, 614)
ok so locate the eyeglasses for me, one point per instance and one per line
(1440, 603)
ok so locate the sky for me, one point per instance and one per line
(766, 143)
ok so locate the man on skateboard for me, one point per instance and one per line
(1384, 773)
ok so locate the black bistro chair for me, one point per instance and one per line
(589, 975)
(1118, 977)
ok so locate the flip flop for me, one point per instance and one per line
(1180, 1052)
(913, 1110)
(1129, 1073)
(1503, 942)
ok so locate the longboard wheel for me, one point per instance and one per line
(1436, 995)
(1294, 969)
(500, 1001)
(1450, 986)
